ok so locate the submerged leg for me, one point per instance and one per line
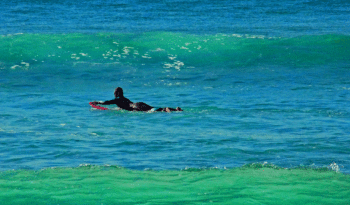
(168, 109)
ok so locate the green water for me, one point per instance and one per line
(260, 81)
(170, 50)
(114, 185)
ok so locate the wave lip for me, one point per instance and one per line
(172, 50)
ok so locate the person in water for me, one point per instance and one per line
(126, 104)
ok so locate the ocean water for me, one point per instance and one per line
(264, 87)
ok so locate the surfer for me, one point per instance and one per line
(126, 104)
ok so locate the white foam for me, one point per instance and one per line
(334, 167)
(15, 66)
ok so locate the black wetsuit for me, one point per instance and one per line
(127, 104)
(121, 102)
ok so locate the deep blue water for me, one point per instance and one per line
(257, 17)
(258, 81)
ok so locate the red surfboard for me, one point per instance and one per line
(96, 106)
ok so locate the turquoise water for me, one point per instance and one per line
(261, 184)
(264, 87)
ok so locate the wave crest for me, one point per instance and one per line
(171, 50)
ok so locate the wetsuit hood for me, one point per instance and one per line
(118, 92)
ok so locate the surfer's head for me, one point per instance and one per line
(118, 92)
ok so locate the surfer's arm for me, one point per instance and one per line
(108, 102)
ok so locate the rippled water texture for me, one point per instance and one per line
(264, 87)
